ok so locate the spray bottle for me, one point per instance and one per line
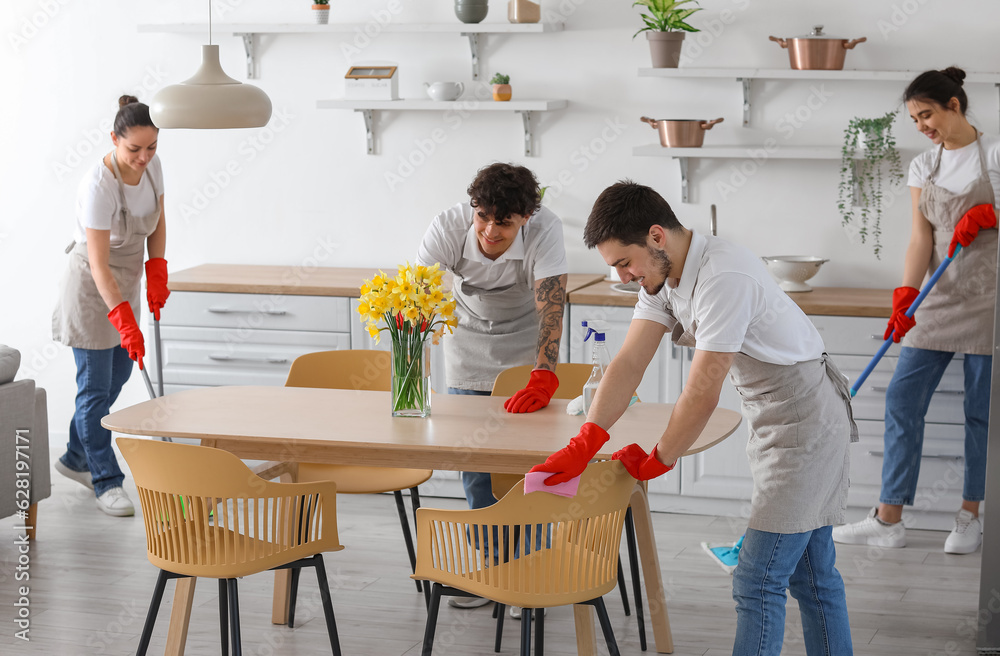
(597, 330)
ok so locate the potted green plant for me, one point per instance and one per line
(501, 86)
(665, 29)
(868, 157)
(321, 10)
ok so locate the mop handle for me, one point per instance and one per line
(913, 308)
(149, 385)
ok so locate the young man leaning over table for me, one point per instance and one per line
(508, 258)
(719, 298)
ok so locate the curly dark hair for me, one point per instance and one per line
(502, 190)
(625, 212)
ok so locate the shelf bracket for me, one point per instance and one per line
(997, 86)
(746, 99)
(474, 46)
(683, 161)
(528, 132)
(369, 116)
(250, 47)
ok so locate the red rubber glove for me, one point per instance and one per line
(124, 321)
(156, 285)
(536, 394)
(978, 218)
(570, 461)
(642, 467)
(902, 299)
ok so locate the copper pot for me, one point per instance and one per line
(817, 51)
(681, 133)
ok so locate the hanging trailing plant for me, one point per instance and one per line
(860, 193)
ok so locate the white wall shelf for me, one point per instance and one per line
(746, 76)
(367, 108)
(682, 155)
(249, 31)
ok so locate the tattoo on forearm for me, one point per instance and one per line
(550, 299)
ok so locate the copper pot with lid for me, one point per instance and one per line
(817, 51)
(681, 133)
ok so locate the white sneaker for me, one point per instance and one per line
(468, 602)
(872, 532)
(966, 535)
(83, 478)
(115, 502)
(515, 612)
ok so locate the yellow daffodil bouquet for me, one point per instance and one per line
(413, 307)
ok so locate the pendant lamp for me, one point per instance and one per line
(210, 99)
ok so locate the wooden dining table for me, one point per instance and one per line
(463, 433)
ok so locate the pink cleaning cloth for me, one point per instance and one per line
(535, 482)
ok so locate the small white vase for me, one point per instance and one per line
(322, 14)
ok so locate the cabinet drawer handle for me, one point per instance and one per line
(270, 359)
(876, 388)
(226, 310)
(933, 456)
(879, 338)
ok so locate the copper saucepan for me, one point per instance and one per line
(681, 133)
(817, 51)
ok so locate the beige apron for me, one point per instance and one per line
(800, 423)
(497, 329)
(81, 318)
(957, 315)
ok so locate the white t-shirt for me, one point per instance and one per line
(959, 167)
(451, 240)
(98, 203)
(732, 304)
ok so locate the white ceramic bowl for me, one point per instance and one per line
(792, 271)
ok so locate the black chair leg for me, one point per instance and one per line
(407, 537)
(154, 607)
(499, 610)
(539, 632)
(622, 587)
(234, 617)
(224, 616)
(324, 593)
(609, 635)
(633, 560)
(293, 593)
(414, 507)
(525, 632)
(432, 617)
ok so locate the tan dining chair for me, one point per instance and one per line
(572, 377)
(574, 564)
(207, 515)
(359, 370)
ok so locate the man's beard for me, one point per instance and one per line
(665, 266)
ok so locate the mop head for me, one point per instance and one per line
(726, 555)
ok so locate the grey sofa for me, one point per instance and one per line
(24, 437)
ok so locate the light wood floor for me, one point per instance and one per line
(90, 585)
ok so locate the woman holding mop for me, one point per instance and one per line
(954, 187)
(119, 213)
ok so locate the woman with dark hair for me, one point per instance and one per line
(119, 213)
(954, 187)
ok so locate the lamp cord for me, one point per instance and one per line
(209, 22)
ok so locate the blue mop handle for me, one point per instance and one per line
(910, 312)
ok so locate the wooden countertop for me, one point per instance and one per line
(835, 301)
(296, 281)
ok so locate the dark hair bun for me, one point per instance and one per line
(128, 100)
(956, 74)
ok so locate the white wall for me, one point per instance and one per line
(305, 190)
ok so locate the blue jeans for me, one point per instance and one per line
(917, 375)
(802, 563)
(100, 375)
(478, 488)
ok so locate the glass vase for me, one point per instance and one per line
(411, 376)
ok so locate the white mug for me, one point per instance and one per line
(444, 90)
